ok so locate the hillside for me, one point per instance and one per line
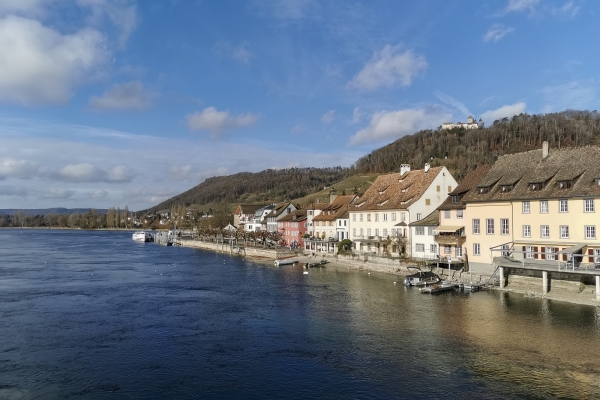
(457, 149)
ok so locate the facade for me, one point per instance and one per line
(536, 205)
(450, 235)
(423, 245)
(342, 226)
(379, 219)
(470, 124)
(325, 224)
(259, 221)
(244, 213)
(292, 227)
(312, 211)
(279, 211)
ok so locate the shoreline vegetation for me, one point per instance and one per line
(564, 291)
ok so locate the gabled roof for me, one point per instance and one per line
(432, 219)
(248, 208)
(298, 215)
(513, 176)
(395, 191)
(469, 182)
(336, 208)
(279, 209)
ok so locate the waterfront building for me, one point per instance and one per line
(293, 227)
(326, 232)
(259, 221)
(379, 219)
(279, 211)
(536, 208)
(424, 246)
(244, 213)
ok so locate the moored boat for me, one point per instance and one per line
(421, 278)
(142, 236)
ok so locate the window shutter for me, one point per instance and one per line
(535, 254)
(564, 256)
(591, 253)
(523, 249)
(543, 255)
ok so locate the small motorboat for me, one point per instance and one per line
(280, 263)
(142, 236)
(421, 278)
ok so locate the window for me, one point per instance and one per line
(418, 216)
(564, 231)
(419, 230)
(361, 231)
(393, 216)
(446, 214)
(420, 247)
(385, 233)
(589, 205)
(459, 214)
(458, 251)
(403, 216)
(385, 217)
(449, 188)
(433, 248)
(590, 232)
(437, 188)
(430, 231)
(504, 229)
(368, 217)
(309, 212)
(489, 223)
(526, 207)
(454, 198)
(345, 222)
(563, 206)
(545, 231)
(550, 253)
(354, 217)
(447, 249)
(543, 206)
(597, 254)
(376, 217)
(393, 232)
(476, 227)
(526, 231)
(529, 252)
(361, 218)
(427, 202)
(476, 249)
(376, 231)
(368, 231)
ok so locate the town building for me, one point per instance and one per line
(279, 211)
(379, 219)
(325, 224)
(423, 245)
(470, 124)
(293, 227)
(244, 213)
(258, 222)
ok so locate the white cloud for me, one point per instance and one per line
(507, 111)
(39, 65)
(24, 7)
(451, 101)
(356, 115)
(119, 12)
(572, 95)
(389, 68)
(569, 9)
(238, 52)
(180, 173)
(126, 96)
(21, 169)
(497, 32)
(78, 173)
(57, 193)
(391, 125)
(328, 117)
(521, 5)
(217, 122)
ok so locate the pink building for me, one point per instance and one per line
(292, 227)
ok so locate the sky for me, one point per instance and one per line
(127, 103)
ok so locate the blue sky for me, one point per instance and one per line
(121, 102)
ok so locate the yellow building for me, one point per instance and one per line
(538, 207)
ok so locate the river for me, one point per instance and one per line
(93, 315)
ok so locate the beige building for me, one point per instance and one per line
(379, 219)
(536, 205)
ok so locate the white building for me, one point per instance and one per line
(470, 124)
(379, 219)
(423, 245)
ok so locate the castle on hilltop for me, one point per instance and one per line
(470, 124)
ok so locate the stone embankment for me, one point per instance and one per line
(572, 292)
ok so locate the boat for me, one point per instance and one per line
(440, 287)
(320, 264)
(142, 236)
(279, 263)
(421, 278)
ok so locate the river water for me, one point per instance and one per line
(93, 315)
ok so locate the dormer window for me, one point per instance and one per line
(483, 190)
(383, 202)
(536, 186)
(564, 184)
(360, 204)
(405, 189)
(455, 198)
(506, 188)
(597, 180)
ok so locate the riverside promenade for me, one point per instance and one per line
(571, 292)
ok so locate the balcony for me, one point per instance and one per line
(455, 240)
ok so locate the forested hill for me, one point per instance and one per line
(269, 185)
(457, 149)
(481, 146)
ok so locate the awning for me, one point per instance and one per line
(401, 224)
(447, 228)
(572, 249)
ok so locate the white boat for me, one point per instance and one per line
(142, 236)
(279, 263)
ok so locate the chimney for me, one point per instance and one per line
(332, 197)
(544, 150)
(426, 168)
(404, 168)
